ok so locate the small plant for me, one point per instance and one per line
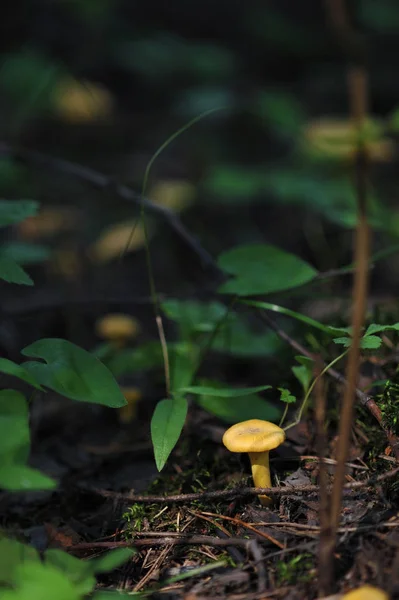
(72, 372)
(296, 570)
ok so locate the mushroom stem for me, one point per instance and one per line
(261, 473)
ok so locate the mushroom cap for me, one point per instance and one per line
(366, 592)
(117, 326)
(254, 435)
(132, 394)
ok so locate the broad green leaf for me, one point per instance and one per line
(112, 560)
(11, 368)
(286, 396)
(194, 316)
(79, 572)
(263, 269)
(236, 338)
(14, 211)
(228, 331)
(202, 390)
(304, 376)
(24, 253)
(16, 477)
(73, 372)
(12, 554)
(166, 426)
(12, 272)
(239, 408)
(38, 581)
(145, 357)
(14, 427)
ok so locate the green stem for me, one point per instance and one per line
(307, 396)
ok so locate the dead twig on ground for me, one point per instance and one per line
(236, 492)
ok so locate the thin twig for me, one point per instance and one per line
(195, 540)
(235, 492)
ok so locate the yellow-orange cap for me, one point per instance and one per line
(366, 592)
(254, 435)
(117, 327)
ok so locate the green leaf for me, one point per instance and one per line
(145, 357)
(370, 342)
(15, 211)
(201, 390)
(304, 376)
(73, 372)
(38, 581)
(194, 316)
(239, 408)
(228, 330)
(12, 554)
(234, 183)
(16, 477)
(295, 315)
(79, 572)
(375, 328)
(12, 272)
(11, 368)
(24, 253)
(166, 426)
(14, 427)
(183, 362)
(112, 560)
(286, 396)
(281, 111)
(263, 269)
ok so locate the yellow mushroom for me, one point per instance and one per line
(132, 396)
(335, 138)
(366, 592)
(117, 328)
(256, 437)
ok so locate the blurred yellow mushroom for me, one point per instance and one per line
(66, 262)
(174, 194)
(47, 222)
(117, 328)
(335, 138)
(116, 240)
(81, 101)
(128, 413)
(366, 592)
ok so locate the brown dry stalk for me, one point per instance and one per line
(324, 496)
(358, 100)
